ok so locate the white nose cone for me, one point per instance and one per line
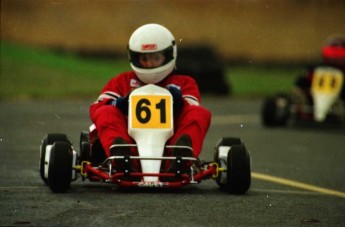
(150, 124)
(326, 86)
(322, 104)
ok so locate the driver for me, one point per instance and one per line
(333, 55)
(152, 54)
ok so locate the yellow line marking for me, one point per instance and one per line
(297, 184)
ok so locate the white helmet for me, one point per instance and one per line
(152, 38)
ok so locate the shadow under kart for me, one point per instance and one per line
(60, 163)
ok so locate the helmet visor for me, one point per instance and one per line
(150, 60)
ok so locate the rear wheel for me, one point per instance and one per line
(84, 154)
(276, 110)
(49, 139)
(234, 161)
(60, 166)
(220, 156)
(238, 170)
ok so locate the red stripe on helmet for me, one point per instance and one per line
(333, 52)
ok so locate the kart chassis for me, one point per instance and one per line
(60, 163)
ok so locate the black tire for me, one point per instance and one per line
(222, 162)
(202, 63)
(97, 153)
(60, 167)
(276, 110)
(84, 152)
(238, 170)
(49, 139)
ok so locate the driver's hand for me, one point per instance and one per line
(177, 99)
(121, 103)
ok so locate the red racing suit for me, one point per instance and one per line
(110, 122)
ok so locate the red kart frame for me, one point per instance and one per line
(179, 180)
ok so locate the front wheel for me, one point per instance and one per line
(49, 139)
(234, 162)
(60, 167)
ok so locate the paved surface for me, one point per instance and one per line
(282, 159)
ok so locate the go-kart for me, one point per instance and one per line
(321, 105)
(150, 124)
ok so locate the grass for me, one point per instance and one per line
(38, 73)
(259, 81)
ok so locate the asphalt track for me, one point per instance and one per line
(298, 175)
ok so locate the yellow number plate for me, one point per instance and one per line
(327, 80)
(151, 111)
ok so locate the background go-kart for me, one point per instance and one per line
(298, 172)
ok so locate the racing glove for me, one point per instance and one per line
(121, 103)
(177, 99)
